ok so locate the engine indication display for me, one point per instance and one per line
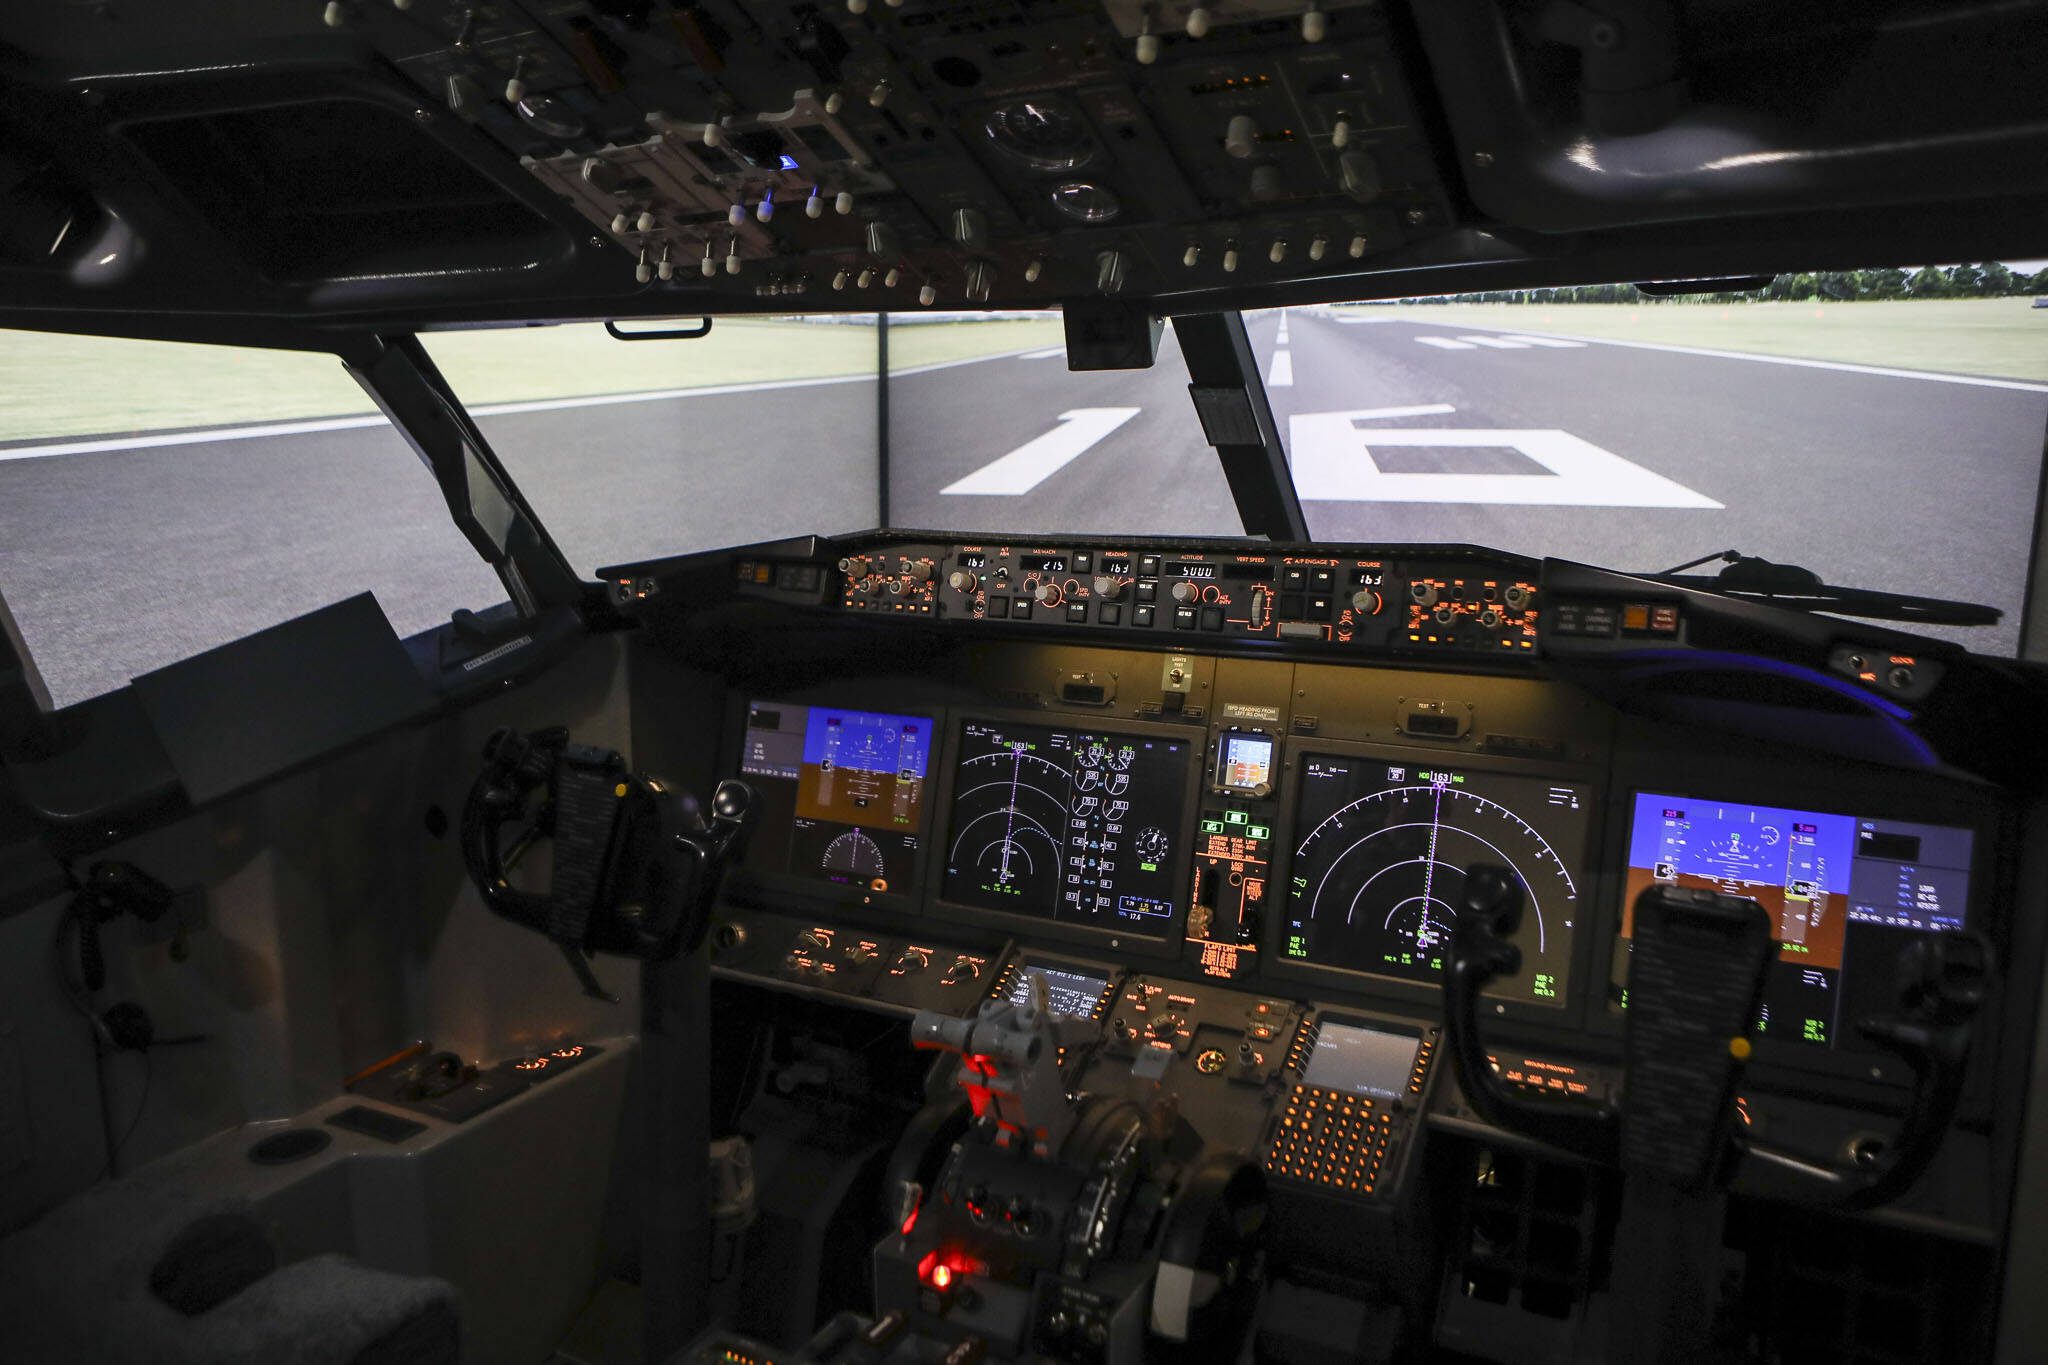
(1068, 825)
(1840, 890)
(845, 789)
(1376, 879)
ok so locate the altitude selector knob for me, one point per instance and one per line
(1187, 590)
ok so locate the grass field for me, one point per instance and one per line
(2003, 338)
(58, 386)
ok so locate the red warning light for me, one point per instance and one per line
(942, 1276)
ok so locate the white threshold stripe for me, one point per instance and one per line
(317, 425)
(1847, 367)
(1037, 460)
(1281, 375)
(1498, 343)
(1418, 410)
(1558, 342)
(1445, 343)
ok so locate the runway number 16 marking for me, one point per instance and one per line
(1333, 461)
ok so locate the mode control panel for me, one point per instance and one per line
(1342, 599)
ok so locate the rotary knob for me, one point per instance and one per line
(963, 969)
(1107, 588)
(1187, 590)
(918, 570)
(963, 580)
(1365, 602)
(910, 961)
(810, 940)
(1163, 1026)
(1047, 594)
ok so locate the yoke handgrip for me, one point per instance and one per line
(1489, 913)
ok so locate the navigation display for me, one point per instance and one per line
(1071, 825)
(843, 793)
(1072, 995)
(1840, 890)
(1375, 881)
(1361, 1061)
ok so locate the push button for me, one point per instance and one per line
(1184, 618)
(1141, 616)
(998, 607)
(1212, 618)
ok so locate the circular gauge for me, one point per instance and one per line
(1086, 203)
(1378, 882)
(1151, 844)
(1009, 823)
(1041, 135)
(855, 855)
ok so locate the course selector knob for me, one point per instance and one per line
(963, 580)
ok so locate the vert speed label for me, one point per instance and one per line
(1378, 874)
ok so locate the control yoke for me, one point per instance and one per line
(1696, 981)
(636, 862)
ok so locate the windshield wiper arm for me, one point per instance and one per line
(1787, 585)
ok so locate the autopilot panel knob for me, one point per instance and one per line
(1107, 588)
(1187, 590)
(963, 580)
(1366, 602)
(1047, 594)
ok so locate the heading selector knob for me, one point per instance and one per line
(1107, 588)
(1187, 590)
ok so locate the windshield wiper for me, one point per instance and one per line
(1787, 585)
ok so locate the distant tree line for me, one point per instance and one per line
(1989, 279)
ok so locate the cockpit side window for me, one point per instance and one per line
(159, 499)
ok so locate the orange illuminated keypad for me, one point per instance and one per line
(1330, 1140)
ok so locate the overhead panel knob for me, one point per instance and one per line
(981, 280)
(1359, 174)
(970, 228)
(1241, 136)
(1109, 272)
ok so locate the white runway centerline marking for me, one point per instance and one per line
(1037, 460)
(1559, 342)
(1281, 375)
(1445, 343)
(1333, 462)
(1498, 343)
